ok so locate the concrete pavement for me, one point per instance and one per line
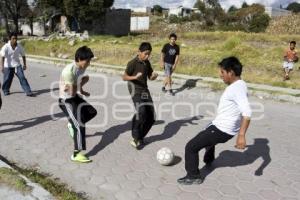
(30, 136)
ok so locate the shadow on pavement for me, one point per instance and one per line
(172, 129)
(227, 158)
(37, 92)
(189, 84)
(28, 123)
(110, 135)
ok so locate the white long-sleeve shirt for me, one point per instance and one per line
(12, 56)
(233, 105)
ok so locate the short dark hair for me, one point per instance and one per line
(83, 53)
(12, 34)
(145, 46)
(232, 64)
(293, 42)
(173, 35)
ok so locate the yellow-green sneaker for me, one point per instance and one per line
(138, 144)
(135, 143)
(80, 158)
(71, 130)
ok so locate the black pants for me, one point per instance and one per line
(79, 112)
(206, 139)
(144, 118)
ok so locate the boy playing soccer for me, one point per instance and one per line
(78, 111)
(169, 61)
(233, 118)
(137, 72)
(290, 57)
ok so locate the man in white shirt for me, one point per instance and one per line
(233, 118)
(10, 65)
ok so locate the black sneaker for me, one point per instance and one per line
(171, 92)
(30, 95)
(189, 180)
(163, 89)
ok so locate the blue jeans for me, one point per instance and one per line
(8, 78)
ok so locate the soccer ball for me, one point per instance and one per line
(165, 156)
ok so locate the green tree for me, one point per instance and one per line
(200, 5)
(245, 5)
(259, 23)
(211, 10)
(85, 11)
(252, 18)
(4, 14)
(14, 10)
(157, 9)
(294, 7)
(232, 9)
(213, 3)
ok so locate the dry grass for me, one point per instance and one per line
(260, 53)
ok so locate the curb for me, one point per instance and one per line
(258, 90)
(38, 192)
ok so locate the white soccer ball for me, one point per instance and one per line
(165, 156)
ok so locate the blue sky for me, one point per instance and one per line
(190, 3)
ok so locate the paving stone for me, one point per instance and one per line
(269, 194)
(148, 193)
(119, 171)
(229, 190)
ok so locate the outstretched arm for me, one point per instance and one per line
(84, 80)
(241, 140)
(176, 62)
(2, 64)
(126, 77)
(24, 63)
(153, 76)
(71, 89)
(162, 57)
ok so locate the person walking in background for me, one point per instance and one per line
(169, 60)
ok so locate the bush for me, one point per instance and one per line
(196, 17)
(174, 19)
(259, 23)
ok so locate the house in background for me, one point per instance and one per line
(277, 12)
(38, 29)
(139, 23)
(146, 10)
(180, 11)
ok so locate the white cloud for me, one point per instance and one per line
(238, 3)
(189, 3)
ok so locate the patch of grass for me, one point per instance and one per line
(59, 190)
(11, 178)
